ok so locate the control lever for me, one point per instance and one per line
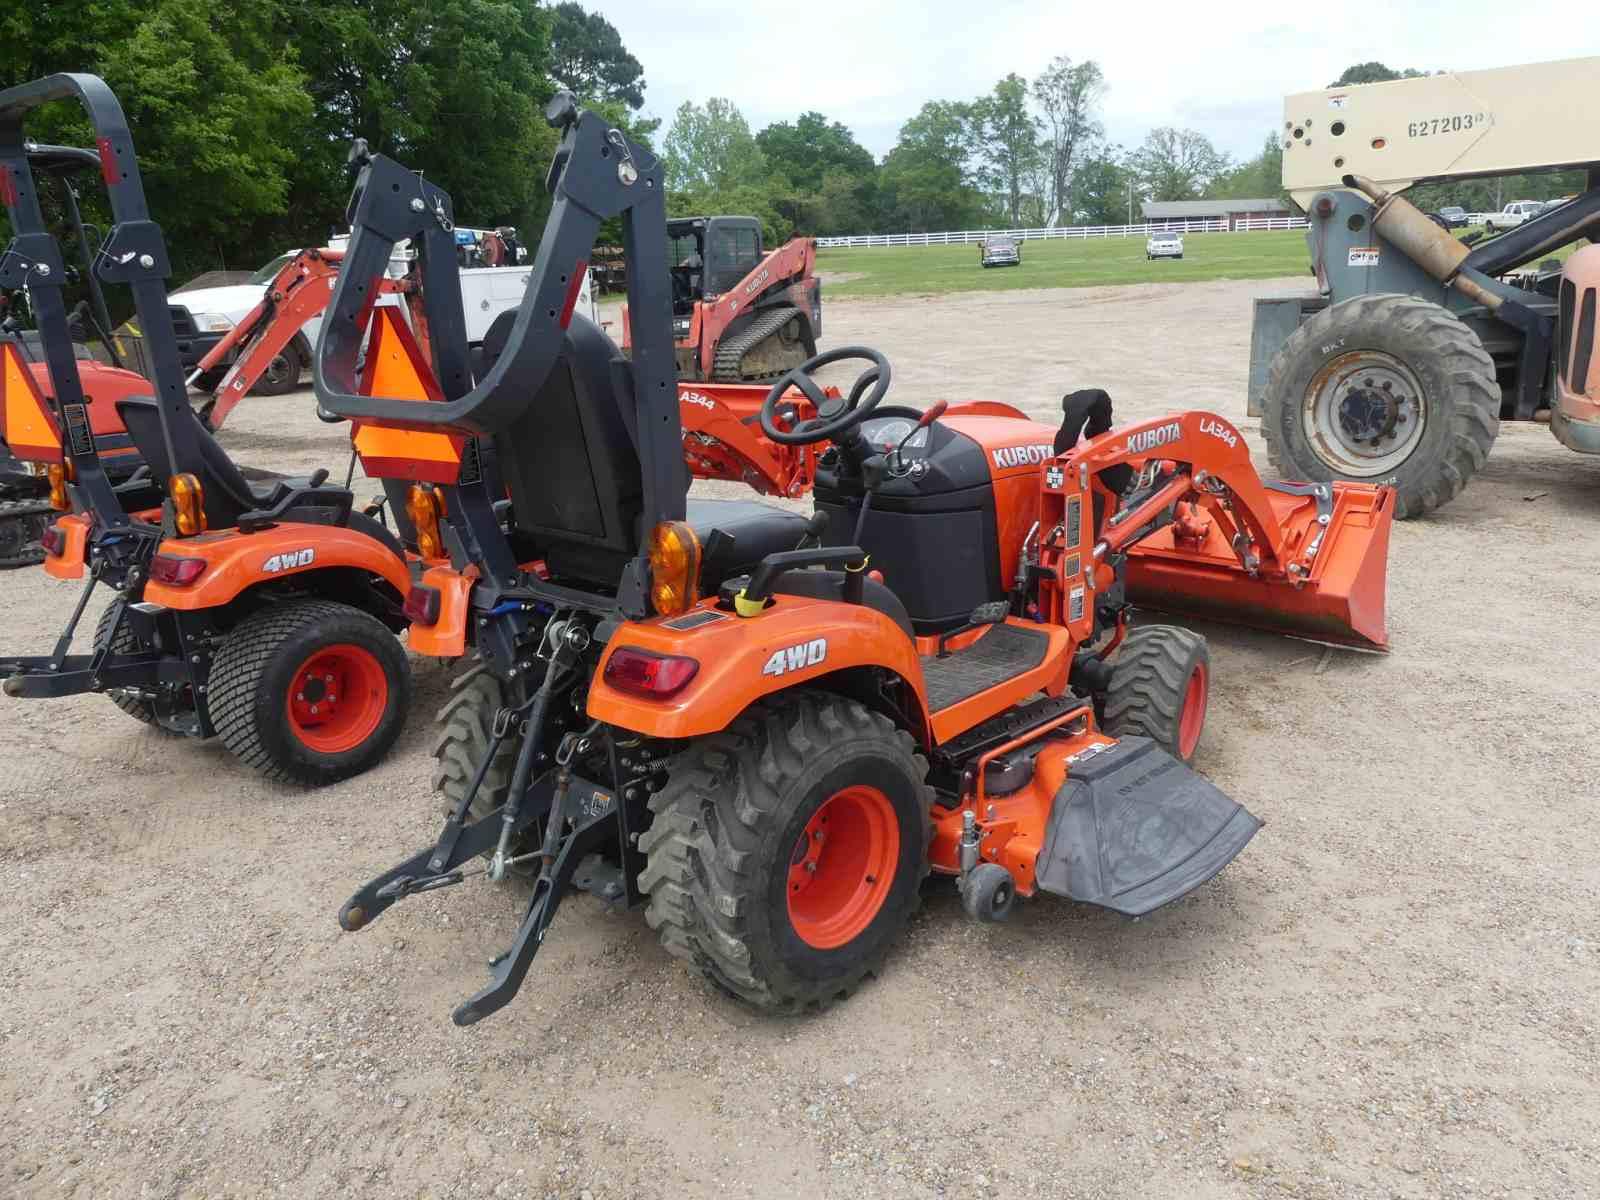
(897, 459)
(815, 528)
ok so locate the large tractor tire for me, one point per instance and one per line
(310, 691)
(1383, 389)
(1160, 685)
(133, 703)
(466, 729)
(787, 852)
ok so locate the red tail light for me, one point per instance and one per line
(53, 540)
(654, 676)
(422, 605)
(179, 572)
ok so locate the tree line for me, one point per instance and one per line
(243, 116)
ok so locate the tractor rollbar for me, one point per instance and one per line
(597, 174)
(133, 253)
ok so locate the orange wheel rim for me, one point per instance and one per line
(843, 866)
(337, 698)
(1193, 717)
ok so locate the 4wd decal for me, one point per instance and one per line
(289, 560)
(1023, 456)
(1219, 430)
(797, 658)
(1150, 439)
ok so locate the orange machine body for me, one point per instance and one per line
(237, 561)
(28, 422)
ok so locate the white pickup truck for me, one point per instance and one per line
(201, 316)
(1512, 215)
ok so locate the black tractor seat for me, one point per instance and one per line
(228, 495)
(752, 531)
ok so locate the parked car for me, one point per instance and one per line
(1454, 216)
(1512, 215)
(1000, 250)
(1164, 243)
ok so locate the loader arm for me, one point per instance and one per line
(1198, 532)
(300, 291)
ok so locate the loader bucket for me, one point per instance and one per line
(1338, 600)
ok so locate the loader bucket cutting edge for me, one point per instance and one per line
(1341, 602)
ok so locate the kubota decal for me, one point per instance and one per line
(289, 560)
(1219, 430)
(1023, 456)
(797, 658)
(1149, 439)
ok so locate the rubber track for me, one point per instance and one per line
(725, 367)
(710, 819)
(1149, 681)
(32, 554)
(1474, 422)
(240, 662)
(466, 723)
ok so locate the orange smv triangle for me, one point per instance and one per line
(26, 423)
(396, 370)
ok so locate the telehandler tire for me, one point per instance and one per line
(787, 851)
(1383, 389)
(310, 691)
(1160, 683)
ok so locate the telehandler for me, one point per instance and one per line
(770, 730)
(1415, 346)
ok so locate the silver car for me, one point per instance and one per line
(1164, 243)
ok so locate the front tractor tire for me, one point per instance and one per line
(309, 691)
(1160, 686)
(787, 852)
(1383, 389)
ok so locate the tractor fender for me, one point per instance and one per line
(69, 563)
(794, 643)
(237, 561)
(446, 637)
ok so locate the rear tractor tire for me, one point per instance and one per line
(787, 851)
(466, 730)
(310, 691)
(1160, 685)
(137, 705)
(1386, 390)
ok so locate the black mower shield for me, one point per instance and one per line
(1132, 828)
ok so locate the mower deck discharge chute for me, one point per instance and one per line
(770, 730)
(265, 614)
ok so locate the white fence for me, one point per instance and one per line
(1144, 229)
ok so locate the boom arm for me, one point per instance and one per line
(1454, 125)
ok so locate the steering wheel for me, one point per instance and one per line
(835, 414)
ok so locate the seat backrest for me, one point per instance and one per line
(570, 462)
(227, 492)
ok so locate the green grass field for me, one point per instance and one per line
(1092, 262)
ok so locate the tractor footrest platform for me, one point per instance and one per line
(1132, 828)
(1001, 654)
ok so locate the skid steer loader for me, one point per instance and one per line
(770, 730)
(1415, 345)
(739, 313)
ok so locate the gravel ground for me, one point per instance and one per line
(1390, 994)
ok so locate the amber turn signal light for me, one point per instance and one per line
(674, 567)
(188, 504)
(425, 506)
(58, 488)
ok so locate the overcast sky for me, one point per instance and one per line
(872, 64)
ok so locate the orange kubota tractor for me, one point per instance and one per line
(769, 730)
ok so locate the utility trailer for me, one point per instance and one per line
(1415, 345)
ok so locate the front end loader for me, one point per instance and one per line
(1417, 344)
(769, 731)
